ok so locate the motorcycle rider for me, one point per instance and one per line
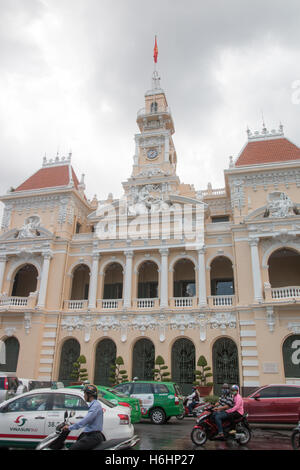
(226, 400)
(233, 413)
(195, 397)
(92, 422)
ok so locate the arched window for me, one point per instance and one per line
(113, 282)
(148, 280)
(225, 363)
(80, 283)
(105, 358)
(12, 347)
(221, 276)
(143, 359)
(70, 352)
(25, 281)
(184, 278)
(154, 107)
(183, 363)
(284, 268)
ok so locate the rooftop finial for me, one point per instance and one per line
(264, 129)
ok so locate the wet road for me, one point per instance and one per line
(175, 435)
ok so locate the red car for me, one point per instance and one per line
(274, 404)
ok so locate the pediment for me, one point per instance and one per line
(14, 234)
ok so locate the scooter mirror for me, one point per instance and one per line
(66, 414)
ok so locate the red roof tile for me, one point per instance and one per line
(268, 151)
(49, 177)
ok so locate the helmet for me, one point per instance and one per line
(91, 390)
(234, 388)
(225, 385)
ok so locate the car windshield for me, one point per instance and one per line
(117, 393)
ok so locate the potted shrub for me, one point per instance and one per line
(202, 375)
(117, 374)
(78, 374)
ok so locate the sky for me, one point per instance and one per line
(73, 74)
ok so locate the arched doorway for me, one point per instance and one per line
(183, 364)
(70, 352)
(80, 283)
(25, 281)
(105, 357)
(12, 348)
(225, 363)
(291, 357)
(143, 359)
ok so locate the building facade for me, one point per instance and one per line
(165, 270)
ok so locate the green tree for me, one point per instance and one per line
(78, 373)
(203, 374)
(117, 374)
(160, 372)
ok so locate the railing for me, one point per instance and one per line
(221, 300)
(142, 111)
(14, 301)
(183, 302)
(213, 192)
(147, 303)
(75, 304)
(110, 303)
(288, 292)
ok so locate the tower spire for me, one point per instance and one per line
(155, 76)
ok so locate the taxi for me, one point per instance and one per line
(27, 419)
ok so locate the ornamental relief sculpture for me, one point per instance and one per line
(147, 323)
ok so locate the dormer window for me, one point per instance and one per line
(154, 107)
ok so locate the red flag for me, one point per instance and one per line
(155, 54)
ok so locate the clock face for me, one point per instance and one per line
(152, 153)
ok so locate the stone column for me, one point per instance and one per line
(128, 279)
(44, 279)
(164, 291)
(202, 294)
(2, 270)
(256, 274)
(94, 281)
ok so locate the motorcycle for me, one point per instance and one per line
(206, 428)
(186, 414)
(56, 440)
(295, 438)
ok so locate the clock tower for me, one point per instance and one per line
(154, 184)
(155, 158)
(155, 151)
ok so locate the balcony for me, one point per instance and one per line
(17, 302)
(281, 293)
(221, 301)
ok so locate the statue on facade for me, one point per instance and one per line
(279, 205)
(29, 228)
